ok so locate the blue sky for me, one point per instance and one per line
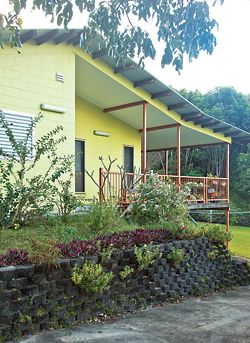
(229, 65)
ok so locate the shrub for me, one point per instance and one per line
(65, 200)
(176, 256)
(126, 272)
(103, 217)
(217, 233)
(159, 201)
(146, 255)
(44, 252)
(23, 197)
(91, 278)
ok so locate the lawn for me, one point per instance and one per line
(54, 230)
(77, 228)
(240, 244)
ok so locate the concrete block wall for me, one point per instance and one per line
(36, 298)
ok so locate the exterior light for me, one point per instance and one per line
(101, 133)
(52, 108)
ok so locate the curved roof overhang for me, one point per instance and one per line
(101, 81)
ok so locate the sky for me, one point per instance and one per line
(229, 65)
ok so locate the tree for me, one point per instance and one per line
(227, 104)
(181, 27)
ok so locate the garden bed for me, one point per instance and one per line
(35, 298)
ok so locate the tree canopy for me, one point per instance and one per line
(129, 27)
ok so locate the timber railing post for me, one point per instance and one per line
(227, 192)
(144, 142)
(166, 162)
(179, 157)
(205, 190)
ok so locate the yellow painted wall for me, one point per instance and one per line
(28, 79)
(90, 118)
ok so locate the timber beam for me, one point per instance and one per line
(187, 146)
(223, 129)
(233, 134)
(122, 107)
(75, 40)
(161, 95)
(215, 123)
(46, 37)
(192, 117)
(178, 105)
(161, 127)
(99, 53)
(64, 36)
(144, 82)
(124, 68)
(207, 122)
(25, 37)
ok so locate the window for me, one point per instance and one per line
(79, 166)
(19, 124)
(129, 159)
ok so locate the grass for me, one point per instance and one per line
(240, 244)
(53, 230)
(78, 228)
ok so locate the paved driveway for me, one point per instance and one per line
(222, 318)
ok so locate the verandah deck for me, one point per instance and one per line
(204, 190)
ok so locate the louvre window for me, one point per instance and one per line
(79, 166)
(19, 124)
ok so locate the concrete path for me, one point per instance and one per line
(222, 318)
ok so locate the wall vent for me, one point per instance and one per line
(59, 77)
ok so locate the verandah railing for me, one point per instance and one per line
(203, 189)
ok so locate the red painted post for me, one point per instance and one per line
(144, 142)
(166, 162)
(179, 157)
(227, 191)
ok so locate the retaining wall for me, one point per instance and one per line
(35, 298)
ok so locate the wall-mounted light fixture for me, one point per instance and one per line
(101, 133)
(52, 108)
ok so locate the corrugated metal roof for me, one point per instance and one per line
(143, 79)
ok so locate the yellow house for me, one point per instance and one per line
(122, 111)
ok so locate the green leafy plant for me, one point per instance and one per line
(159, 201)
(103, 217)
(212, 255)
(65, 200)
(146, 255)
(91, 277)
(217, 233)
(24, 318)
(22, 196)
(41, 312)
(106, 253)
(183, 28)
(125, 272)
(176, 256)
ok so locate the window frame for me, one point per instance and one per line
(84, 163)
(128, 146)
